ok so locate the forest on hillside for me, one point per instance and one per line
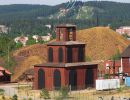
(31, 19)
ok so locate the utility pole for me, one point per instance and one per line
(114, 67)
(8, 56)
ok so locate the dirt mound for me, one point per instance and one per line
(102, 42)
(36, 49)
(28, 56)
(28, 63)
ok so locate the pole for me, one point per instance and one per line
(114, 67)
(8, 56)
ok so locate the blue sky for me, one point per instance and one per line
(47, 2)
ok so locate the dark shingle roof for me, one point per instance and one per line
(66, 64)
(126, 53)
(66, 43)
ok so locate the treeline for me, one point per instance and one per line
(23, 19)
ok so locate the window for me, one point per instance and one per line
(69, 55)
(70, 34)
(50, 53)
(41, 79)
(73, 79)
(89, 78)
(57, 79)
(81, 54)
(60, 55)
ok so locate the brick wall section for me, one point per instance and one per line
(49, 73)
(126, 65)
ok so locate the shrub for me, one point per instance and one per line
(44, 94)
(3, 97)
(64, 91)
(106, 76)
(1, 91)
(15, 97)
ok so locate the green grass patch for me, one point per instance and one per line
(1, 91)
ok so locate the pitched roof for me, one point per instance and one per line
(126, 53)
(1, 68)
(6, 71)
(1, 74)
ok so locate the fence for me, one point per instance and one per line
(26, 92)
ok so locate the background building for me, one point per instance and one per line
(3, 29)
(124, 30)
(125, 61)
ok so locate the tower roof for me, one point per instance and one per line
(126, 53)
(66, 25)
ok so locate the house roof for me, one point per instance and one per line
(6, 71)
(66, 64)
(126, 53)
(66, 25)
(1, 68)
(1, 74)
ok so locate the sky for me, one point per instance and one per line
(46, 2)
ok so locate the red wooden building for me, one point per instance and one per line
(125, 61)
(5, 75)
(112, 67)
(66, 64)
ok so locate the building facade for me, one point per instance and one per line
(66, 64)
(125, 61)
(112, 67)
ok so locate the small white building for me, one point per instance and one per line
(123, 30)
(3, 29)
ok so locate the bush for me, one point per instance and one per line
(31, 41)
(15, 97)
(64, 93)
(30, 99)
(1, 91)
(44, 94)
(3, 97)
(106, 76)
(18, 45)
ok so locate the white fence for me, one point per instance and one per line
(105, 84)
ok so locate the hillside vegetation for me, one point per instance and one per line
(31, 19)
